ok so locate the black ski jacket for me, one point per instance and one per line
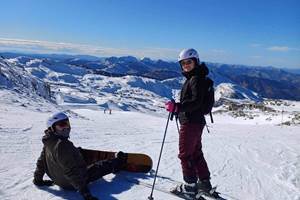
(62, 162)
(192, 95)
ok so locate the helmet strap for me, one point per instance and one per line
(196, 60)
(52, 129)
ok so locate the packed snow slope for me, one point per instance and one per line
(248, 159)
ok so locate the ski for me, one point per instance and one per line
(175, 182)
(201, 196)
(211, 195)
(141, 183)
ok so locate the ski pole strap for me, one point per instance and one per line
(172, 116)
(207, 128)
(176, 119)
(211, 117)
(173, 113)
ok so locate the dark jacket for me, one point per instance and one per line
(62, 162)
(192, 95)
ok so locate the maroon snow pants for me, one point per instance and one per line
(193, 163)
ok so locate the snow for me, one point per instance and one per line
(249, 155)
(15, 77)
(230, 90)
(68, 69)
(248, 159)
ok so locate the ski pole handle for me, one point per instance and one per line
(173, 113)
(172, 116)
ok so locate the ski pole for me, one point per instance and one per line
(161, 149)
(177, 125)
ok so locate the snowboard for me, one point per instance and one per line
(136, 162)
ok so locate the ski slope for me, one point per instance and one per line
(248, 160)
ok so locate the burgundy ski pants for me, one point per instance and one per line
(193, 163)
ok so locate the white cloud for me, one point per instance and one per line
(61, 47)
(282, 48)
(275, 47)
(279, 48)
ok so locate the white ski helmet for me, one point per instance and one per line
(189, 53)
(56, 118)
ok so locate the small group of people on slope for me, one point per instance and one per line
(66, 167)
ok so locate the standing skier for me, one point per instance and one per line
(64, 163)
(191, 117)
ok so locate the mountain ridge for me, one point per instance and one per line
(268, 82)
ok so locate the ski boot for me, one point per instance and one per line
(185, 190)
(204, 187)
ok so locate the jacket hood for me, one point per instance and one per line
(200, 70)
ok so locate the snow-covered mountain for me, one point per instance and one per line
(73, 84)
(13, 75)
(119, 83)
(269, 82)
(73, 71)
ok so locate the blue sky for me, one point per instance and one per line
(227, 31)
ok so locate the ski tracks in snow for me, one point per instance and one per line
(260, 161)
(247, 162)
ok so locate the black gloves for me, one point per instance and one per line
(122, 157)
(86, 194)
(42, 182)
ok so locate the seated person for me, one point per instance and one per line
(64, 163)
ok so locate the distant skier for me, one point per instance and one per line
(190, 113)
(64, 163)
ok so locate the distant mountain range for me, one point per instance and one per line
(231, 81)
(293, 70)
(269, 82)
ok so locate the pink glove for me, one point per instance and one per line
(171, 106)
